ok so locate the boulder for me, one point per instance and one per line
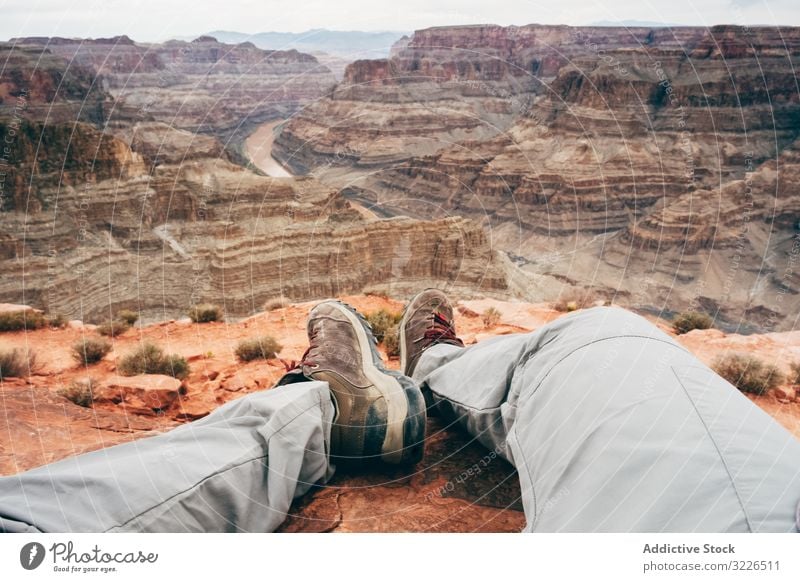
(240, 380)
(146, 394)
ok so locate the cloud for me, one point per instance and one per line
(153, 20)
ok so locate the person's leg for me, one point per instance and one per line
(238, 469)
(613, 426)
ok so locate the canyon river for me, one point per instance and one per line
(258, 147)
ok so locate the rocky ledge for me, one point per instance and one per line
(459, 486)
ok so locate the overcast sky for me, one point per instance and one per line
(149, 20)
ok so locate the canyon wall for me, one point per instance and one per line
(103, 209)
(201, 86)
(604, 157)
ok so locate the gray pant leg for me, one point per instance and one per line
(613, 426)
(238, 469)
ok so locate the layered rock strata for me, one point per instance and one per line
(598, 156)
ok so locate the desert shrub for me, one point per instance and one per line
(56, 320)
(151, 359)
(80, 392)
(17, 363)
(391, 342)
(128, 316)
(90, 350)
(113, 328)
(19, 320)
(490, 317)
(748, 373)
(689, 320)
(205, 313)
(794, 375)
(264, 347)
(574, 299)
(382, 321)
(277, 303)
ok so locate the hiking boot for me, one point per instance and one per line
(380, 414)
(427, 321)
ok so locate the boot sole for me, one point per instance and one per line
(405, 405)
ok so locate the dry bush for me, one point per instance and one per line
(748, 373)
(90, 350)
(391, 342)
(205, 313)
(17, 363)
(113, 329)
(574, 299)
(382, 321)
(794, 376)
(490, 317)
(151, 359)
(128, 316)
(265, 347)
(56, 320)
(18, 320)
(277, 303)
(689, 320)
(80, 392)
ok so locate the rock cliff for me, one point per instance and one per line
(102, 211)
(597, 156)
(203, 85)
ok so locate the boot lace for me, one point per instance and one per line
(440, 331)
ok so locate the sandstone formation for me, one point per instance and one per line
(146, 394)
(113, 210)
(41, 427)
(203, 85)
(612, 158)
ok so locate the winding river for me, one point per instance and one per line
(258, 147)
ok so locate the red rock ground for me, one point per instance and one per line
(459, 486)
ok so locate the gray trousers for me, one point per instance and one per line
(611, 424)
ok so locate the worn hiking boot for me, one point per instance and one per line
(427, 321)
(380, 414)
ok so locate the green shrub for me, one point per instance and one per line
(90, 350)
(113, 329)
(56, 320)
(391, 342)
(17, 363)
(18, 320)
(794, 377)
(382, 321)
(747, 373)
(689, 320)
(205, 313)
(277, 303)
(264, 347)
(81, 392)
(573, 299)
(490, 317)
(128, 316)
(150, 359)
